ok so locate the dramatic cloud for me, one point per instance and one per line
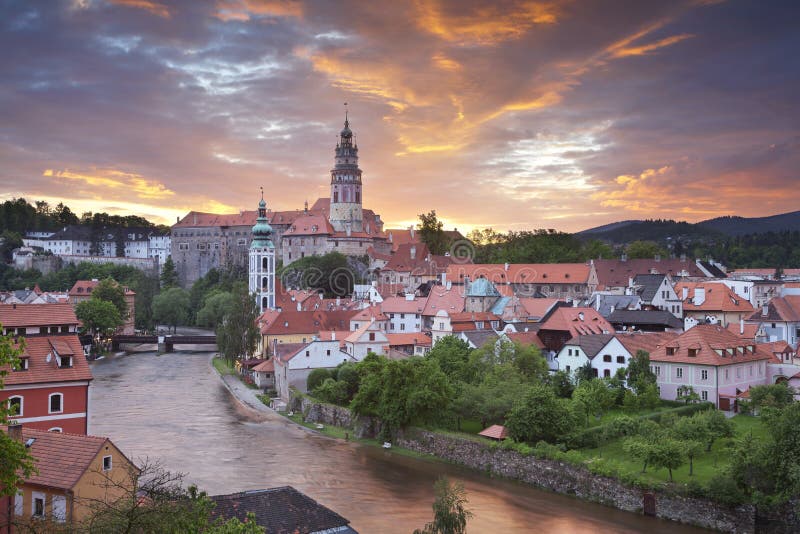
(513, 114)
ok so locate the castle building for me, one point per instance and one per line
(204, 241)
(262, 261)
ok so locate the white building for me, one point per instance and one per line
(293, 362)
(262, 261)
(604, 351)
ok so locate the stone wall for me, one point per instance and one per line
(149, 265)
(329, 414)
(569, 479)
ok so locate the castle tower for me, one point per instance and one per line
(262, 261)
(345, 214)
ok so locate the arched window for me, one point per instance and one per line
(56, 429)
(264, 282)
(55, 403)
(265, 263)
(15, 405)
(264, 303)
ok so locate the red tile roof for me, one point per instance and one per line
(309, 224)
(85, 287)
(494, 432)
(578, 321)
(718, 297)
(61, 459)
(537, 308)
(526, 338)
(521, 273)
(401, 305)
(304, 322)
(615, 273)
(786, 309)
(23, 315)
(646, 341)
(40, 370)
(440, 298)
(410, 338)
(286, 351)
(369, 313)
(750, 330)
(704, 341)
(265, 367)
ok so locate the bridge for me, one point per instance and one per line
(165, 343)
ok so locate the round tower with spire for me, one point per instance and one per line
(262, 261)
(346, 213)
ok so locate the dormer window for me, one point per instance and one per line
(692, 353)
(719, 352)
(23, 364)
(670, 351)
(65, 361)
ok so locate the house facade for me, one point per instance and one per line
(293, 362)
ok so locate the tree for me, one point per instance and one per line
(452, 356)
(694, 434)
(771, 396)
(717, 425)
(110, 291)
(431, 232)
(540, 416)
(8, 242)
(169, 276)
(595, 397)
(450, 514)
(687, 394)
(584, 373)
(15, 463)
(316, 377)
(238, 334)
(667, 453)
(561, 383)
(330, 273)
(154, 500)
(98, 316)
(644, 250)
(215, 306)
(171, 307)
(639, 373)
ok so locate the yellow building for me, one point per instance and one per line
(75, 474)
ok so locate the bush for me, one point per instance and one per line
(316, 378)
(723, 488)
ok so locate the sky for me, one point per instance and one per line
(511, 115)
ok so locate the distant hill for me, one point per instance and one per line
(662, 229)
(736, 226)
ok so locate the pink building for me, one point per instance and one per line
(715, 362)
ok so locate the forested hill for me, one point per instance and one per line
(661, 229)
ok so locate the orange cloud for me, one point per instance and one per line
(487, 25)
(242, 10)
(114, 180)
(154, 8)
(641, 50)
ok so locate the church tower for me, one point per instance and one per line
(345, 215)
(262, 261)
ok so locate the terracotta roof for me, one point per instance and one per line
(41, 371)
(22, 315)
(704, 341)
(646, 341)
(60, 458)
(198, 219)
(85, 287)
(401, 305)
(521, 273)
(764, 272)
(750, 330)
(265, 367)
(390, 290)
(615, 273)
(308, 224)
(473, 316)
(304, 322)
(786, 309)
(410, 338)
(369, 313)
(494, 432)
(526, 338)
(718, 297)
(569, 319)
(646, 318)
(286, 351)
(280, 511)
(537, 308)
(423, 262)
(402, 236)
(440, 298)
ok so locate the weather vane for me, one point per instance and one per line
(262, 192)
(345, 111)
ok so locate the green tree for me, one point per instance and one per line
(98, 316)
(431, 232)
(215, 306)
(171, 307)
(15, 463)
(331, 274)
(452, 356)
(238, 334)
(169, 276)
(584, 373)
(667, 453)
(771, 396)
(687, 394)
(540, 415)
(595, 397)
(693, 432)
(316, 377)
(9, 240)
(562, 385)
(644, 250)
(450, 514)
(639, 373)
(110, 291)
(717, 425)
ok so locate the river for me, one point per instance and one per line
(174, 408)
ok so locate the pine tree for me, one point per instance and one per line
(169, 276)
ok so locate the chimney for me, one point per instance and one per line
(699, 295)
(15, 431)
(505, 266)
(685, 293)
(338, 301)
(624, 257)
(411, 231)
(449, 285)
(177, 220)
(741, 326)
(299, 306)
(444, 278)
(613, 308)
(413, 252)
(194, 218)
(333, 335)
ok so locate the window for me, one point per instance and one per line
(402, 326)
(670, 351)
(726, 374)
(738, 372)
(183, 246)
(328, 352)
(704, 395)
(607, 358)
(56, 429)
(55, 403)
(23, 365)
(308, 353)
(242, 241)
(19, 500)
(37, 506)
(107, 464)
(704, 374)
(679, 372)
(607, 373)
(15, 405)
(657, 370)
(568, 368)
(569, 352)
(479, 325)
(620, 359)
(65, 361)
(372, 336)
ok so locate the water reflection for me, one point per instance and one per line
(175, 408)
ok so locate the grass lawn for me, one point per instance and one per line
(706, 465)
(222, 366)
(471, 427)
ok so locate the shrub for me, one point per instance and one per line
(316, 378)
(723, 488)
